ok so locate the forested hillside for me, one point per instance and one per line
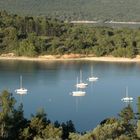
(127, 10)
(34, 36)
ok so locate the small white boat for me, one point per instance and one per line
(81, 84)
(78, 93)
(127, 98)
(21, 90)
(92, 78)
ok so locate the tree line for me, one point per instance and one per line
(14, 126)
(34, 36)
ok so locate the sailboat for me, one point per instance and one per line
(78, 92)
(127, 98)
(21, 90)
(92, 78)
(81, 84)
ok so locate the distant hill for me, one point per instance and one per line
(128, 10)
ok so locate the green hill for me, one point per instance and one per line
(127, 10)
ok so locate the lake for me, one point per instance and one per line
(50, 84)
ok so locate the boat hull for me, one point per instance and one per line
(78, 93)
(21, 91)
(81, 85)
(127, 99)
(92, 79)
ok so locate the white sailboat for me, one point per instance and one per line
(81, 84)
(127, 98)
(78, 92)
(92, 78)
(21, 90)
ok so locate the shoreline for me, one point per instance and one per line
(71, 58)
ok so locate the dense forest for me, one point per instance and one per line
(34, 36)
(14, 126)
(126, 10)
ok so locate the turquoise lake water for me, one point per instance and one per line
(50, 83)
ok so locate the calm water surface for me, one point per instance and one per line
(50, 84)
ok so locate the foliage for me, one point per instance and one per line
(138, 128)
(126, 114)
(13, 125)
(67, 128)
(7, 108)
(33, 36)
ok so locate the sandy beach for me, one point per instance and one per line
(70, 57)
(113, 59)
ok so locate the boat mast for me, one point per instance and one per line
(77, 84)
(126, 91)
(80, 76)
(91, 71)
(20, 81)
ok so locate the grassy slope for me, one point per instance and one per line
(78, 9)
